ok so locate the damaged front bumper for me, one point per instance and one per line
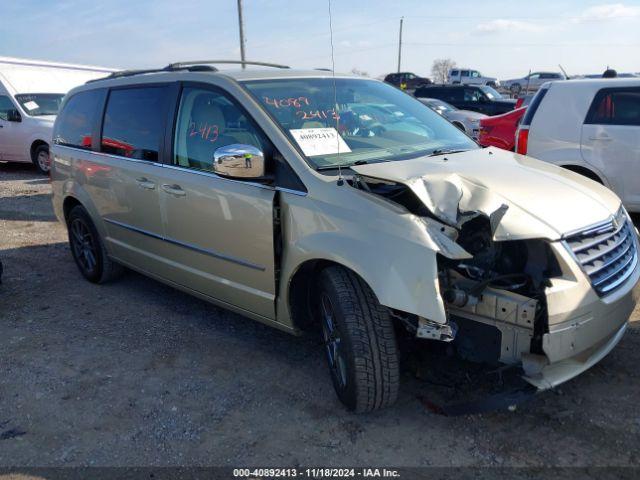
(583, 327)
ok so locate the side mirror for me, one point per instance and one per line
(239, 161)
(13, 115)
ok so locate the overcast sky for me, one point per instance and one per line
(502, 39)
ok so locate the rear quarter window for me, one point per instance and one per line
(615, 106)
(75, 123)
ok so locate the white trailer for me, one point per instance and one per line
(30, 94)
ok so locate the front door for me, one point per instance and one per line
(611, 140)
(10, 132)
(219, 231)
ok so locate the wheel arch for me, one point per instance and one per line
(404, 279)
(300, 291)
(68, 204)
(38, 142)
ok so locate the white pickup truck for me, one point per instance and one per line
(466, 76)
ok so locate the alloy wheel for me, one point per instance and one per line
(332, 342)
(84, 245)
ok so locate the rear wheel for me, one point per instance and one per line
(40, 158)
(359, 339)
(88, 250)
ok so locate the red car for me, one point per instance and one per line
(500, 130)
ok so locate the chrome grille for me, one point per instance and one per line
(607, 252)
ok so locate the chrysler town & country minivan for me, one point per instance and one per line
(305, 200)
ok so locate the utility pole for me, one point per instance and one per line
(399, 44)
(241, 28)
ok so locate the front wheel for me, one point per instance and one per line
(41, 159)
(359, 340)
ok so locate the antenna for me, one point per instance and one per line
(335, 97)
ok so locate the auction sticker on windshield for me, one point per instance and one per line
(319, 141)
(31, 105)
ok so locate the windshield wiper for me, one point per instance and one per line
(345, 165)
(442, 151)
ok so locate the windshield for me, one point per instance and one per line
(439, 106)
(490, 92)
(375, 121)
(38, 104)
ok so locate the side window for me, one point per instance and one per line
(133, 122)
(615, 106)
(74, 125)
(464, 73)
(449, 94)
(454, 73)
(5, 106)
(534, 76)
(208, 120)
(410, 76)
(475, 74)
(453, 95)
(472, 95)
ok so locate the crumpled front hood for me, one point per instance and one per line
(524, 197)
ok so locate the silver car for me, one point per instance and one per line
(466, 120)
(531, 82)
(308, 201)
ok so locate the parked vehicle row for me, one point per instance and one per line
(481, 99)
(249, 190)
(30, 95)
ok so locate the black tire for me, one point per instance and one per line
(365, 365)
(39, 153)
(88, 249)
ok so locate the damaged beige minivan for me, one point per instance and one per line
(304, 200)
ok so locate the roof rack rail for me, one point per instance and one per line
(233, 62)
(194, 66)
(168, 68)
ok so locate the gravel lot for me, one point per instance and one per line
(136, 373)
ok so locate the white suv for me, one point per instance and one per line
(591, 127)
(466, 76)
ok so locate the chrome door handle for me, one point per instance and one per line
(173, 189)
(145, 183)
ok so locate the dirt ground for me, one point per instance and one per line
(136, 373)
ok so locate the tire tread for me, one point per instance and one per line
(370, 328)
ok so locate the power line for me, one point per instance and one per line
(513, 45)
